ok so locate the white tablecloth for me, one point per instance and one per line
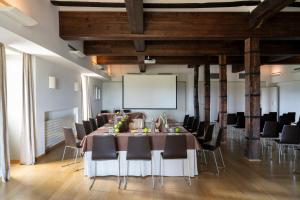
(141, 168)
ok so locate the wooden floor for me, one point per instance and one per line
(240, 179)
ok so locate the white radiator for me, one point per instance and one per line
(54, 130)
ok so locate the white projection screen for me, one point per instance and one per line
(149, 91)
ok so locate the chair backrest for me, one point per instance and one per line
(185, 121)
(93, 124)
(100, 121)
(201, 128)
(138, 148)
(240, 121)
(231, 118)
(69, 137)
(104, 111)
(219, 137)
(292, 116)
(80, 131)
(190, 122)
(270, 129)
(117, 111)
(87, 127)
(175, 147)
(127, 111)
(272, 116)
(290, 135)
(209, 133)
(104, 148)
(298, 123)
(195, 124)
(105, 119)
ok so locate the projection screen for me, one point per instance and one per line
(149, 91)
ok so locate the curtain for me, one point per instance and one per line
(86, 97)
(27, 147)
(4, 149)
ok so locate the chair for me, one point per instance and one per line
(127, 111)
(291, 116)
(138, 148)
(104, 148)
(80, 131)
(175, 148)
(105, 119)
(201, 129)
(231, 121)
(213, 148)
(104, 111)
(208, 135)
(190, 123)
(93, 124)
(272, 116)
(117, 111)
(100, 121)
(87, 127)
(185, 121)
(270, 132)
(290, 138)
(70, 142)
(195, 125)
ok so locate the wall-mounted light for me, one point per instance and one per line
(276, 73)
(76, 86)
(52, 82)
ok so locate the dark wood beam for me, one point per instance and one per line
(196, 93)
(175, 26)
(189, 48)
(223, 95)
(265, 10)
(207, 91)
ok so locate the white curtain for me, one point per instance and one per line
(86, 97)
(4, 149)
(27, 147)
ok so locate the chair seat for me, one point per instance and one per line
(208, 147)
(137, 156)
(202, 141)
(105, 157)
(172, 157)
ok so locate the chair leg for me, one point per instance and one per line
(64, 154)
(94, 176)
(279, 153)
(221, 155)
(161, 171)
(204, 157)
(76, 156)
(189, 171)
(153, 183)
(119, 180)
(216, 163)
(127, 169)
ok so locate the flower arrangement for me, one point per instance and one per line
(164, 119)
(119, 123)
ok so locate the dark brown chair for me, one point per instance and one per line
(87, 127)
(290, 138)
(270, 130)
(175, 148)
(185, 120)
(70, 142)
(100, 121)
(201, 129)
(105, 119)
(213, 148)
(104, 148)
(138, 148)
(195, 125)
(105, 111)
(208, 135)
(80, 131)
(189, 123)
(93, 124)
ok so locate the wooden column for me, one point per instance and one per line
(207, 91)
(223, 96)
(252, 92)
(196, 96)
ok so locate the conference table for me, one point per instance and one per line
(140, 168)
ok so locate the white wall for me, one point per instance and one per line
(62, 98)
(14, 102)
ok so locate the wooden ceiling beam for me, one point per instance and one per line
(189, 48)
(175, 26)
(265, 10)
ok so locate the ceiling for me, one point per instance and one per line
(181, 32)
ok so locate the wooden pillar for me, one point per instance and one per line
(223, 96)
(252, 92)
(196, 96)
(207, 92)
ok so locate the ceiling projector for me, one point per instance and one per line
(149, 60)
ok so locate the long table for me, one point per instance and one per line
(110, 167)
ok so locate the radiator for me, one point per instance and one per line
(54, 130)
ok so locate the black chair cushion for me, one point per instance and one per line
(138, 148)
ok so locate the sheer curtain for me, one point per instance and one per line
(27, 147)
(86, 97)
(4, 149)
